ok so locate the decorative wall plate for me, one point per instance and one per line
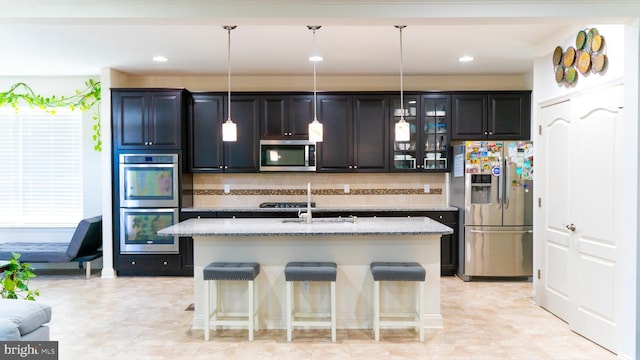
(557, 55)
(584, 62)
(598, 41)
(599, 62)
(569, 57)
(580, 39)
(559, 74)
(570, 75)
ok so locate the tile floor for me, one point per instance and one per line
(146, 318)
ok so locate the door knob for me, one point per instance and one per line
(571, 227)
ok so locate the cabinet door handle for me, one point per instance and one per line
(355, 166)
(164, 263)
(220, 167)
(133, 263)
(486, 133)
(490, 132)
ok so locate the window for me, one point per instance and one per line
(41, 162)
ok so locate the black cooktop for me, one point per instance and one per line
(285, 205)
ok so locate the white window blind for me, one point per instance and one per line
(41, 162)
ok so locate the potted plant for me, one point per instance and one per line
(14, 283)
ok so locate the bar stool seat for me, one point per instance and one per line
(311, 271)
(230, 271)
(399, 271)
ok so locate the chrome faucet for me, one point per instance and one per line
(307, 215)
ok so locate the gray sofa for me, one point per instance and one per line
(24, 320)
(84, 247)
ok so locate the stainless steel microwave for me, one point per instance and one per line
(287, 155)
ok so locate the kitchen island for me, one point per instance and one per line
(352, 243)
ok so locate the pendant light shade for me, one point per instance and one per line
(403, 132)
(315, 127)
(402, 129)
(229, 128)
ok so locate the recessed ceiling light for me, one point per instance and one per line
(465, 58)
(315, 58)
(160, 58)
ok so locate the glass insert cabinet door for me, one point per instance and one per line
(405, 153)
(429, 142)
(435, 133)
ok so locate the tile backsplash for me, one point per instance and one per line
(327, 190)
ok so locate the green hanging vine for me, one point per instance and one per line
(21, 93)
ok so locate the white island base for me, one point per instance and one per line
(354, 284)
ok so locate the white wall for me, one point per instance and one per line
(622, 50)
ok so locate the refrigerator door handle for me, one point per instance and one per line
(500, 186)
(507, 185)
(501, 231)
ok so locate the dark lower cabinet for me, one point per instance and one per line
(151, 264)
(448, 243)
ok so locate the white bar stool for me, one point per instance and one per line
(399, 271)
(218, 271)
(310, 271)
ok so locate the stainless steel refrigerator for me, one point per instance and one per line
(492, 184)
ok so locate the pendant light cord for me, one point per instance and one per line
(315, 110)
(229, 28)
(401, 74)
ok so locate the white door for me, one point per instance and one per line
(596, 134)
(553, 178)
(579, 174)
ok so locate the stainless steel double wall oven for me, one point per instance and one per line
(149, 195)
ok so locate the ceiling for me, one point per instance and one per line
(82, 45)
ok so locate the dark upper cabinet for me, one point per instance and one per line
(509, 115)
(469, 116)
(286, 117)
(355, 133)
(371, 133)
(498, 116)
(335, 153)
(243, 155)
(208, 153)
(205, 132)
(148, 119)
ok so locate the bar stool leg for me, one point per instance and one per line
(333, 311)
(256, 301)
(250, 310)
(289, 309)
(376, 310)
(421, 311)
(207, 309)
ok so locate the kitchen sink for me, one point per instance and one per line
(350, 219)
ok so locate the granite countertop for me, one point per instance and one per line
(323, 209)
(323, 226)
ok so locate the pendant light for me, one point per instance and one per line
(229, 129)
(315, 127)
(402, 127)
